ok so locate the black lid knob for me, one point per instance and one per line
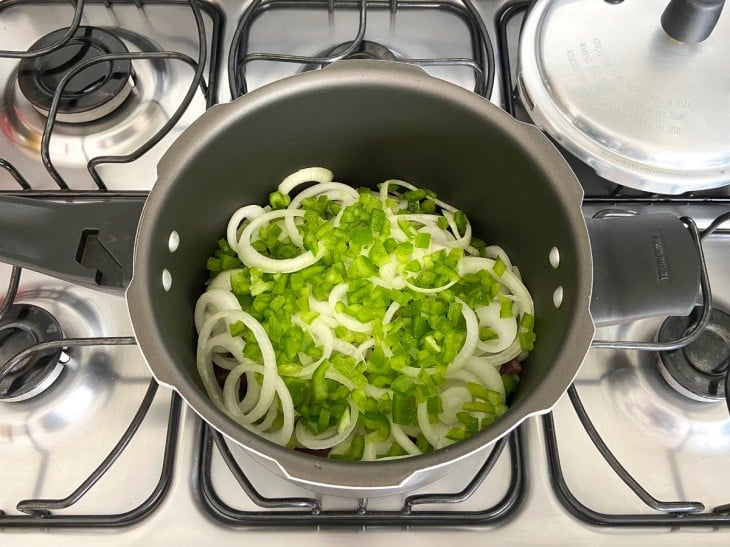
(691, 21)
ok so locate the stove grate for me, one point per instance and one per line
(208, 88)
(308, 512)
(481, 61)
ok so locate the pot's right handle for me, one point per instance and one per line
(643, 266)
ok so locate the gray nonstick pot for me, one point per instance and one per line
(367, 121)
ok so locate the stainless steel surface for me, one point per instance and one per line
(678, 448)
(90, 115)
(49, 443)
(495, 486)
(410, 34)
(159, 86)
(665, 464)
(645, 112)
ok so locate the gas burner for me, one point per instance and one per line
(23, 326)
(158, 87)
(697, 370)
(94, 92)
(366, 50)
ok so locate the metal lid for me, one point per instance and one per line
(606, 82)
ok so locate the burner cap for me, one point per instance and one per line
(697, 370)
(89, 95)
(23, 326)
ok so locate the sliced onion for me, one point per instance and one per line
(473, 264)
(365, 346)
(222, 280)
(231, 389)
(421, 218)
(429, 290)
(249, 211)
(222, 343)
(504, 327)
(488, 375)
(227, 363)
(463, 241)
(270, 373)
(388, 273)
(439, 238)
(495, 251)
(390, 312)
(402, 439)
(253, 259)
(268, 420)
(396, 231)
(329, 438)
(452, 400)
(373, 449)
(465, 375)
(377, 392)
(335, 191)
(322, 308)
(435, 433)
(513, 351)
(253, 393)
(281, 436)
(308, 174)
(396, 182)
(211, 302)
(348, 349)
(472, 337)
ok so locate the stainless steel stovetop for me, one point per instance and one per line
(171, 483)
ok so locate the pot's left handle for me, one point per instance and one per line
(88, 243)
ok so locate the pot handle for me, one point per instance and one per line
(88, 243)
(643, 266)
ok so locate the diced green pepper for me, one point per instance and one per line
(279, 200)
(404, 410)
(422, 241)
(378, 424)
(319, 384)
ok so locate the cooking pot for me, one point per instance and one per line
(367, 121)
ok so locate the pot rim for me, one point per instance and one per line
(377, 477)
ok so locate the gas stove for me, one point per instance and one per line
(91, 449)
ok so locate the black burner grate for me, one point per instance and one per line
(668, 513)
(308, 512)
(48, 513)
(208, 88)
(481, 60)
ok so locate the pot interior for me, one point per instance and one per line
(365, 132)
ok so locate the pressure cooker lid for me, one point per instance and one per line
(644, 110)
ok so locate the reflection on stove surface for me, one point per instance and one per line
(111, 109)
(698, 370)
(676, 447)
(50, 442)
